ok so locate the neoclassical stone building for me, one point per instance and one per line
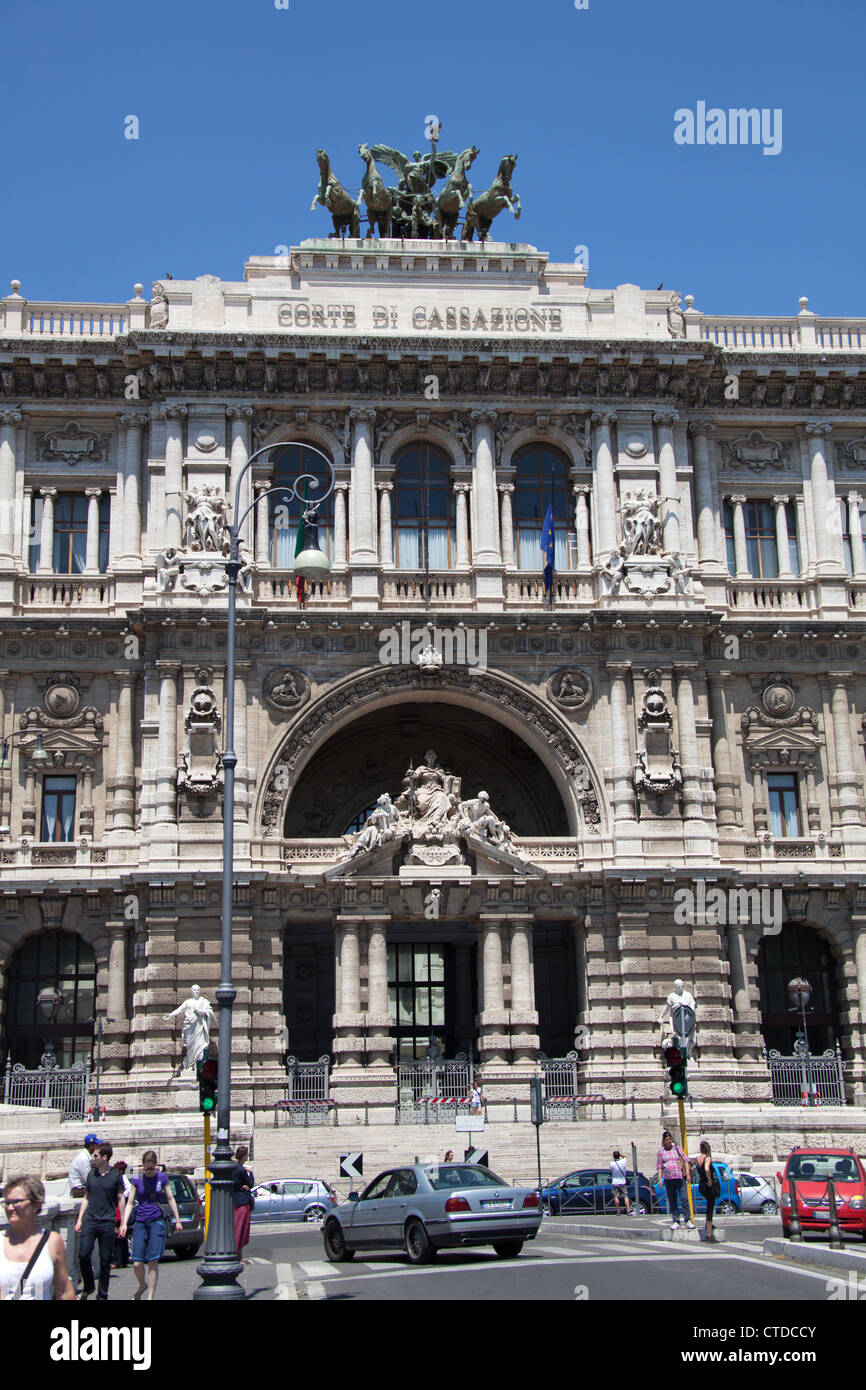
(681, 716)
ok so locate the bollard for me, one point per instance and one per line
(632, 1105)
(426, 1111)
(836, 1241)
(306, 1114)
(336, 1114)
(366, 1112)
(276, 1112)
(514, 1102)
(795, 1230)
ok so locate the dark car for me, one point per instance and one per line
(591, 1190)
(190, 1208)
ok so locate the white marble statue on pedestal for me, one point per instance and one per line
(680, 997)
(197, 1014)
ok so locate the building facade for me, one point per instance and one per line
(670, 733)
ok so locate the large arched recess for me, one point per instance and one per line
(503, 700)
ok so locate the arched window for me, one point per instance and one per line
(797, 950)
(541, 479)
(423, 510)
(285, 513)
(49, 958)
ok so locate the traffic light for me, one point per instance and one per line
(208, 1075)
(676, 1064)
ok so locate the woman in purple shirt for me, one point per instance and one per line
(149, 1232)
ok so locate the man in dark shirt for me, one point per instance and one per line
(103, 1191)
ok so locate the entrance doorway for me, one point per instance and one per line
(797, 951)
(48, 958)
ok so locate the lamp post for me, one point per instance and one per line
(799, 993)
(38, 756)
(220, 1267)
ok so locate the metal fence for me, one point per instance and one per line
(560, 1075)
(806, 1079)
(569, 1107)
(305, 1112)
(307, 1081)
(433, 1080)
(48, 1088)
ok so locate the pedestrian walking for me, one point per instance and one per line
(79, 1170)
(672, 1170)
(149, 1231)
(32, 1264)
(244, 1202)
(121, 1243)
(709, 1186)
(103, 1191)
(476, 1099)
(449, 1156)
(619, 1181)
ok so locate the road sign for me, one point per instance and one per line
(536, 1101)
(468, 1124)
(480, 1156)
(352, 1166)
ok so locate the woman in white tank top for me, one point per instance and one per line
(23, 1198)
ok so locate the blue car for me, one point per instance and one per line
(728, 1201)
(590, 1190)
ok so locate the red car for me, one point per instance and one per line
(810, 1168)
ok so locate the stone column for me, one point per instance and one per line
(743, 1026)
(847, 782)
(123, 782)
(760, 801)
(9, 419)
(46, 535)
(581, 513)
(688, 744)
(829, 559)
(135, 422)
(782, 545)
(622, 786)
(118, 930)
(669, 495)
(524, 1019)
(263, 523)
(485, 548)
(741, 554)
(349, 1020)
(363, 550)
(341, 489)
(174, 416)
(28, 805)
(91, 552)
(605, 488)
(240, 416)
(166, 754)
(85, 806)
(386, 548)
(493, 1041)
(580, 928)
(727, 799)
(706, 522)
(461, 496)
(506, 511)
(855, 529)
(378, 1022)
(463, 1010)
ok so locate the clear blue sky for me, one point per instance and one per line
(234, 96)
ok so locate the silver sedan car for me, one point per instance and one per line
(757, 1194)
(293, 1199)
(425, 1207)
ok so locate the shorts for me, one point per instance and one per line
(148, 1240)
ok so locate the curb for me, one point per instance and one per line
(819, 1256)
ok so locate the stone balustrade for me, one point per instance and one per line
(56, 592)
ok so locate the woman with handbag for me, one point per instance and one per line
(244, 1202)
(32, 1265)
(709, 1187)
(149, 1233)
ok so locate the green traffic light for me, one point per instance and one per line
(677, 1088)
(207, 1104)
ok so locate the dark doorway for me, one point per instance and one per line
(797, 950)
(308, 992)
(51, 958)
(555, 986)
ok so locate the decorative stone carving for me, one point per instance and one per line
(199, 771)
(285, 690)
(776, 734)
(158, 305)
(570, 689)
(61, 698)
(641, 527)
(205, 528)
(756, 452)
(430, 660)
(852, 454)
(676, 317)
(657, 770)
(644, 576)
(380, 828)
(72, 444)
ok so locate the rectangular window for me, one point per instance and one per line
(847, 557)
(58, 809)
(784, 805)
(762, 551)
(69, 540)
(416, 996)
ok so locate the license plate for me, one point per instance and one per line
(490, 1206)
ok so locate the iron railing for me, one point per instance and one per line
(806, 1079)
(48, 1087)
(431, 1080)
(560, 1075)
(307, 1081)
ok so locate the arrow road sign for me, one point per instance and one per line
(352, 1166)
(480, 1156)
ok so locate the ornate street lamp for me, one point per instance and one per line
(38, 756)
(220, 1267)
(799, 993)
(48, 1001)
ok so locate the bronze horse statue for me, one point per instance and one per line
(481, 211)
(376, 196)
(345, 211)
(455, 194)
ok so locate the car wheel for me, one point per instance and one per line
(725, 1208)
(769, 1208)
(335, 1244)
(315, 1214)
(639, 1208)
(508, 1249)
(418, 1245)
(186, 1252)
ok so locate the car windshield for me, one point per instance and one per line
(445, 1175)
(819, 1167)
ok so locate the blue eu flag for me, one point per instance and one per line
(547, 550)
